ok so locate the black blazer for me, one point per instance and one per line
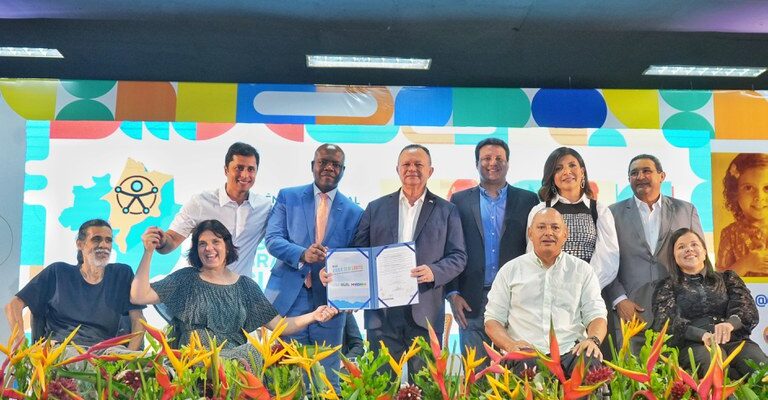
(513, 239)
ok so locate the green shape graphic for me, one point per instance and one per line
(490, 107)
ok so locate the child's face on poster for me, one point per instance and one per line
(753, 193)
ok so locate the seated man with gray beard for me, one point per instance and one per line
(93, 294)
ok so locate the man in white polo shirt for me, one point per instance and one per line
(547, 286)
(242, 211)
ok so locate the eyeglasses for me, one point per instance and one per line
(325, 163)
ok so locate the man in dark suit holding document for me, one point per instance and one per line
(413, 213)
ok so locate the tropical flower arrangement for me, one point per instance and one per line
(65, 371)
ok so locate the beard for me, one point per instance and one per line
(100, 259)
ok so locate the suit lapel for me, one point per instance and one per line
(511, 203)
(337, 208)
(308, 205)
(637, 222)
(426, 210)
(667, 211)
(474, 205)
(393, 205)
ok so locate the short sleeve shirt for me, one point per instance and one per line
(66, 300)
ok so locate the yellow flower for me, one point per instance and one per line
(13, 342)
(43, 355)
(628, 330)
(470, 363)
(303, 359)
(502, 385)
(397, 365)
(330, 393)
(264, 346)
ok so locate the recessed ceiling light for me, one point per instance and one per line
(703, 70)
(37, 52)
(331, 61)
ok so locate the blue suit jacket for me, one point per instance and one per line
(439, 244)
(290, 230)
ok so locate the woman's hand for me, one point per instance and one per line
(324, 313)
(722, 332)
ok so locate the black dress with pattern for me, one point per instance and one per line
(697, 305)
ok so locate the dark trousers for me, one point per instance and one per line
(318, 333)
(567, 362)
(397, 332)
(737, 368)
(474, 334)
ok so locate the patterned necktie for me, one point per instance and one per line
(321, 221)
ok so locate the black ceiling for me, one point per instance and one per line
(497, 43)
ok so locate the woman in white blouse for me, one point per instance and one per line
(591, 230)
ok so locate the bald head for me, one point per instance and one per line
(547, 214)
(547, 234)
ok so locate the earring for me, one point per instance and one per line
(553, 189)
(582, 183)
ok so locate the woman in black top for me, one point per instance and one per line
(704, 306)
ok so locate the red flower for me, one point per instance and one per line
(169, 390)
(252, 387)
(598, 375)
(679, 389)
(63, 389)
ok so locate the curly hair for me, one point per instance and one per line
(738, 166)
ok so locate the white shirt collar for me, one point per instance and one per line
(331, 193)
(643, 205)
(541, 263)
(420, 200)
(224, 197)
(584, 199)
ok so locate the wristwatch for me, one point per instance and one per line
(594, 339)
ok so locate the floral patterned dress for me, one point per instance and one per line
(736, 241)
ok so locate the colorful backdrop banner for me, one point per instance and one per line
(725, 114)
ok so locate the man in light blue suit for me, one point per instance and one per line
(293, 238)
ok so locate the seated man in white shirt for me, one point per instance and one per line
(547, 285)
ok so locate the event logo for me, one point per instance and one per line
(136, 194)
(134, 199)
(761, 300)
